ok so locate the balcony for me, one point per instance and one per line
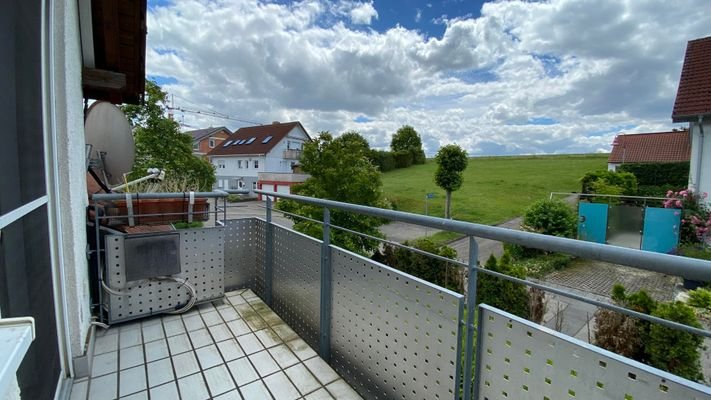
(292, 154)
(283, 315)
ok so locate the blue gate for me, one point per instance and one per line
(592, 222)
(661, 229)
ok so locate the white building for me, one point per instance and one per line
(260, 157)
(693, 105)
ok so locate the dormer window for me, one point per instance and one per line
(211, 143)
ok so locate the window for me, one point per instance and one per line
(196, 146)
(267, 139)
(211, 143)
(256, 164)
(251, 140)
(240, 184)
(239, 163)
(221, 164)
(227, 143)
(254, 185)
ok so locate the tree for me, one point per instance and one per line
(160, 144)
(340, 170)
(451, 161)
(407, 140)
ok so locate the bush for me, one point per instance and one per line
(384, 160)
(700, 298)
(625, 183)
(671, 349)
(403, 158)
(695, 215)
(539, 265)
(418, 155)
(550, 217)
(505, 295)
(675, 175)
(432, 270)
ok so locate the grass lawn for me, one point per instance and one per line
(495, 189)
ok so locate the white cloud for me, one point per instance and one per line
(418, 15)
(591, 68)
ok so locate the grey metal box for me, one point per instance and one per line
(151, 255)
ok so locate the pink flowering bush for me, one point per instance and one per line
(695, 215)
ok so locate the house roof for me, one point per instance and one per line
(672, 146)
(693, 98)
(199, 134)
(260, 144)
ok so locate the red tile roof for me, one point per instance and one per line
(277, 131)
(672, 146)
(693, 98)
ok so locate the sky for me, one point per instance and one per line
(497, 78)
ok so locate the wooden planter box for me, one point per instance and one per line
(170, 210)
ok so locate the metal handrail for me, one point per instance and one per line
(689, 268)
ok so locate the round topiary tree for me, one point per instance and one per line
(674, 350)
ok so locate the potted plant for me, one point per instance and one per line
(162, 211)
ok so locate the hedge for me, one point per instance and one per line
(659, 174)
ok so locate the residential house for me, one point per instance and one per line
(207, 139)
(260, 157)
(693, 105)
(654, 147)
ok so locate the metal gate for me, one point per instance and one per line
(592, 222)
(661, 229)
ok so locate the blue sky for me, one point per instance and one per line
(509, 77)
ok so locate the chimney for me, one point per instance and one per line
(275, 122)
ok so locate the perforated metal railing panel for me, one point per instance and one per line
(522, 360)
(393, 336)
(201, 259)
(240, 253)
(296, 284)
(260, 236)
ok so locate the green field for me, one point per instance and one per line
(495, 189)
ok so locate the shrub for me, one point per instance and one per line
(424, 267)
(625, 183)
(233, 198)
(505, 295)
(550, 217)
(403, 158)
(659, 174)
(700, 298)
(671, 349)
(695, 218)
(384, 160)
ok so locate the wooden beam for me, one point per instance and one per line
(101, 79)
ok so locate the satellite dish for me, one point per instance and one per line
(109, 134)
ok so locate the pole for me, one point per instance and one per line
(269, 257)
(471, 310)
(326, 288)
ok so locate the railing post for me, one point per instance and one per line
(471, 310)
(269, 256)
(324, 344)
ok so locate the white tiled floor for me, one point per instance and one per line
(236, 350)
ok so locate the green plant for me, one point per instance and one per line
(506, 295)
(160, 144)
(674, 350)
(233, 198)
(451, 162)
(695, 218)
(598, 182)
(187, 225)
(659, 174)
(339, 170)
(695, 251)
(407, 140)
(550, 217)
(384, 160)
(700, 298)
(433, 270)
(403, 158)
(541, 264)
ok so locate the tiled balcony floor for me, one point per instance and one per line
(237, 350)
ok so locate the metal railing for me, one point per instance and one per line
(689, 268)
(662, 263)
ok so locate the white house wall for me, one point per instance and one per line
(705, 184)
(275, 158)
(72, 195)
